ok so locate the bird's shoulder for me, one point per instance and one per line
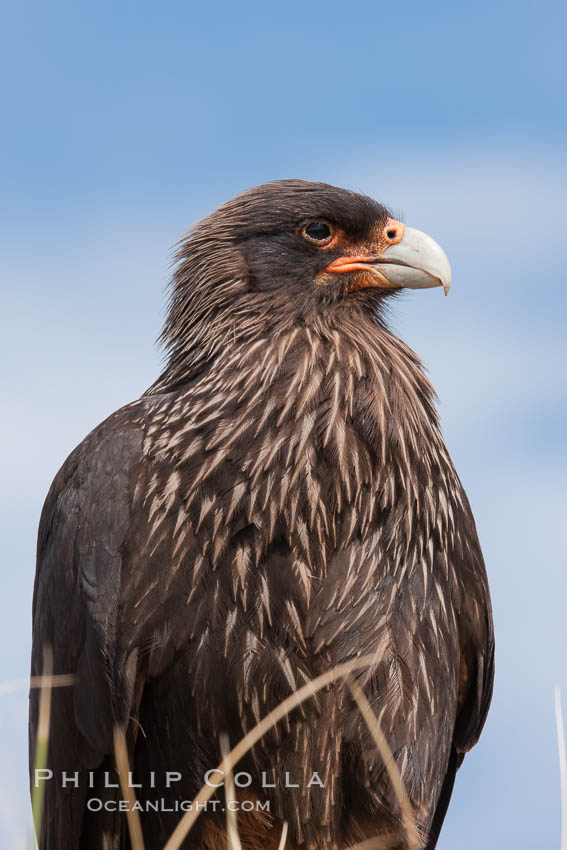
(96, 469)
(82, 535)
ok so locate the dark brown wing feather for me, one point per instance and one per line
(83, 528)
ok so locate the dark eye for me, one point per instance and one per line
(318, 232)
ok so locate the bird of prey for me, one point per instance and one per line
(278, 502)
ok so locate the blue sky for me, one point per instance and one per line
(121, 124)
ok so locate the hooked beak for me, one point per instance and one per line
(412, 260)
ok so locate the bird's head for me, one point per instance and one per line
(285, 250)
(319, 243)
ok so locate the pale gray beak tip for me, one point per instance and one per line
(417, 262)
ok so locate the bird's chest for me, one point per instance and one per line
(296, 461)
(266, 473)
(285, 525)
(306, 461)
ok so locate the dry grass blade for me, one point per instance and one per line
(304, 693)
(383, 747)
(42, 737)
(562, 766)
(63, 680)
(123, 768)
(230, 797)
(283, 836)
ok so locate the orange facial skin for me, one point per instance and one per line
(360, 258)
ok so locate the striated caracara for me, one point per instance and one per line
(279, 502)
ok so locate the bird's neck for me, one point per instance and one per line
(203, 336)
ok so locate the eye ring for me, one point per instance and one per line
(318, 232)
